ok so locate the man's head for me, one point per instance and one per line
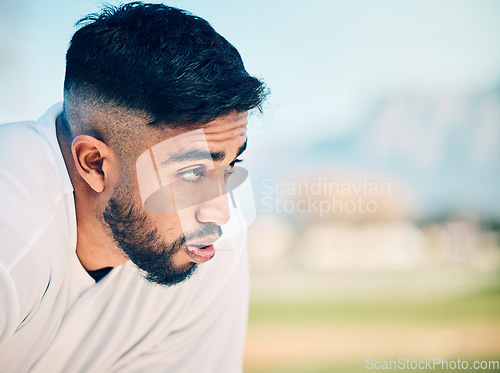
(136, 76)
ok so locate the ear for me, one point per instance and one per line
(96, 162)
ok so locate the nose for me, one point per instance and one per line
(214, 211)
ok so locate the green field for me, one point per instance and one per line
(326, 335)
(484, 305)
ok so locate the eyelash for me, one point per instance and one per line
(235, 161)
(200, 171)
(196, 170)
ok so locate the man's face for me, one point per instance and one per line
(166, 217)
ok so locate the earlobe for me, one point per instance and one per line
(94, 161)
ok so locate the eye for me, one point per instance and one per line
(228, 171)
(193, 174)
(231, 165)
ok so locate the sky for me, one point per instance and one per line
(326, 63)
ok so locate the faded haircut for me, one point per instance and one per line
(161, 61)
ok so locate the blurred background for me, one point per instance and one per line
(375, 167)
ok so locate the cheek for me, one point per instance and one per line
(168, 225)
(175, 226)
(188, 195)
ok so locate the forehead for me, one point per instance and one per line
(225, 133)
(230, 127)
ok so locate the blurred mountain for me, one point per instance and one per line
(445, 149)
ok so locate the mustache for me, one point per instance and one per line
(207, 230)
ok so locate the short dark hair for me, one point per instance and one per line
(161, 60)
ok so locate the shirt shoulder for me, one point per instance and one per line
(31, 184)
(35, 207)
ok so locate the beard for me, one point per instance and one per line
(138, 238)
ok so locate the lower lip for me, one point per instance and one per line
(201, 255)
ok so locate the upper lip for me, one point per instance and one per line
(205, 243)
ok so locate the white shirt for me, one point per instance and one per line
(55, 318)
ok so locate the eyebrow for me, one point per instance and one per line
(199, 154)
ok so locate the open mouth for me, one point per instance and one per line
(203, 250)
(200, 246)
(200, 253)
